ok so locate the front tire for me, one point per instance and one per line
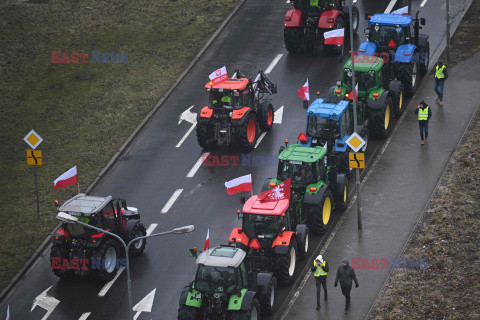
(380, 120)
(341, 198)
(266, 117)
(267, 301)
(408, 74)
(186, 313)
(108, 252)
(293, 39)
(138, 247)
(320, 216)
(206, 136)
(247, 133)
(285, 265)
(253, 313)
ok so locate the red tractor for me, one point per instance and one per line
(305, 24)
(238, 109)
(269, 234)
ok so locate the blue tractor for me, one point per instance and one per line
(397, 40)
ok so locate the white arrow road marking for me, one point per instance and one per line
(84, 316)
(197, 165)
(145, 305)
(390, 6)
(151, 228)
(273, 63)
(190, 117)
(44, 301)
(278, 116)
(260, 138)
(108, 285)
(171, 201)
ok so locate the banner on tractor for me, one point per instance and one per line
(303, 92)
(335, 37)
(403, 11)
(218, 76)
(240, 184)
(66, 179)
(280, 192)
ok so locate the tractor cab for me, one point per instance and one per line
(230, 94)
(389, 31)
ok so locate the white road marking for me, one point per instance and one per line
(260, 138)
(171, 201)
(390, 6)
(288, 1)
(44, 301)
(274, 63)
(188, 116)
(278, 116)
(84, 316)
(108, 285)
(151, 228)
(197, 165)
(354, 1)
(144, 305)
(423, 3)
(186, 135)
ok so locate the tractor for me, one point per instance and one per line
(227, 286)
(238, 109)
(305, 24)
(397, 39)
(81, 251)
(376, 105)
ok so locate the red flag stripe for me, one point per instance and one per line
(239, 188)
(67, 182)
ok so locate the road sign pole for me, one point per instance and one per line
(357, 171)
(36, 191)
(447, 5)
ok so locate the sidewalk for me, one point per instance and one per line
(395, 195)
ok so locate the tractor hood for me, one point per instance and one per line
(322, 109)
(271, 208)
(296, 152)
(391, 20)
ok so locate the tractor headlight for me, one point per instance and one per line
(198, 296)
(349, 72)
(230, 114)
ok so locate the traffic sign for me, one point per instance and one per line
(34, 157)
(356, 160)
(355, 142)
(33, 139)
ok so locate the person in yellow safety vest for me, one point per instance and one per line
(227, 101)
(318, 6)
(424, 113)
(441, 75)
(320, 270)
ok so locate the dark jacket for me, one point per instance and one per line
(429, 113)
(346, 275)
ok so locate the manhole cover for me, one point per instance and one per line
(84, 77)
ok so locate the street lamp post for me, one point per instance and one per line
(64, 217)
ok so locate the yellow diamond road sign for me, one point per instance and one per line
(355, 142)
(33, 139)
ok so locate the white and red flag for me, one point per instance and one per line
(67, 179)
(8, 313)
(350, 95)
(335, 37)
(243, 183)
(303, 92)
(280, 192)
(218, 76)
(207, 241)
(403, 11)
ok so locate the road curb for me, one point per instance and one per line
(122, 148)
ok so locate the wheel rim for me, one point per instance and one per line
(139, 243)
(387, 116)
(345, 194)
(272, 297)
(306, 243)
(414, 74)
(293, 260)
(400, 101)
(366, 144)
(327, 208)
(254, 314)
(251, 131)
(270, 117)
(110, 259)
(355, 22)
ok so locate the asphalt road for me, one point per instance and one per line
(154, 168)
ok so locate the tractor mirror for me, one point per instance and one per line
(56, 203)
(193, 252)
(305, 104)
(367, 31)
(242, 200)
(423, 21)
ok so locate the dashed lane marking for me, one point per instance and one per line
(390, 6)
(172, 200)
(84, 316)
(108, 285)
(197, 165)
(423, 3)
(273, 63)
(260, 138)
(151, 228)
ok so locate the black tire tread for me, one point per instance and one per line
(263, 117)
(314, 216)
(186, 313)
(242, 138)
(282, 263)
(292, 39)
(62, 252)
(377, 120)
(265, 304)
(245, 314)
(132, 250)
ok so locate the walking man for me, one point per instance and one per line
(441, 75)
(320, 270)
(346, 275)
(424, 113)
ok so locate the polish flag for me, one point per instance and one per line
(335, 37)
(207, 241)
(280, 192)
(303, 92)
(403, 11)
(67, 179)
(350, 95)
(240, 184)
(218, 76)
(8, 313)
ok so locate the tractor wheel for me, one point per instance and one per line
(319, 217)
(138, 247)
(266, 117)
(186, 313)
(285, 265)
(341, 196)
(424, 59)
(267, 300)
(293, 39)
(408, 73)
(303, 240)
(62, 253)
(253, 313)
(343, 165)
(247, 133)
(108, 252)
(206, 136)
(380, 120)
(364, 135)
(356, 19)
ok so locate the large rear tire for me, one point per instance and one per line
(266, 117)
(60, 252)
(285, 265)
(408, 73)
(293, 39)
(108, 252)
(138, 247)
(186, 313)
(320, 216)
(341, 196)
(253, 313)
(380, 120)
(206, 136)
(267, 300)
(247, 133)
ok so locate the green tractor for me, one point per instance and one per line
(227, 286)
(374, 99)
(317, 186)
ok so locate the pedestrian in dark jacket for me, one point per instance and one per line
(320, 270)
(345, 274)
(424, 113)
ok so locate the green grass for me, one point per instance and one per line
(82, 122)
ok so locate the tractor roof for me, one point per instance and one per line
(296, 152)
(385, 19)
(230, 84)
(364, 63)
(320, 108)
(83, 204)
(270, 208)
(222, 257)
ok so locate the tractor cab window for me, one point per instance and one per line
(223, 99)
(322, 128)
(365, 80)
(321, 170)
(109, 215)
(212, 279)
(262, 225)
(247, 98)
(299, 172)
(383, 35)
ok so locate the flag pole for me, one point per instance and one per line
(78, 187)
